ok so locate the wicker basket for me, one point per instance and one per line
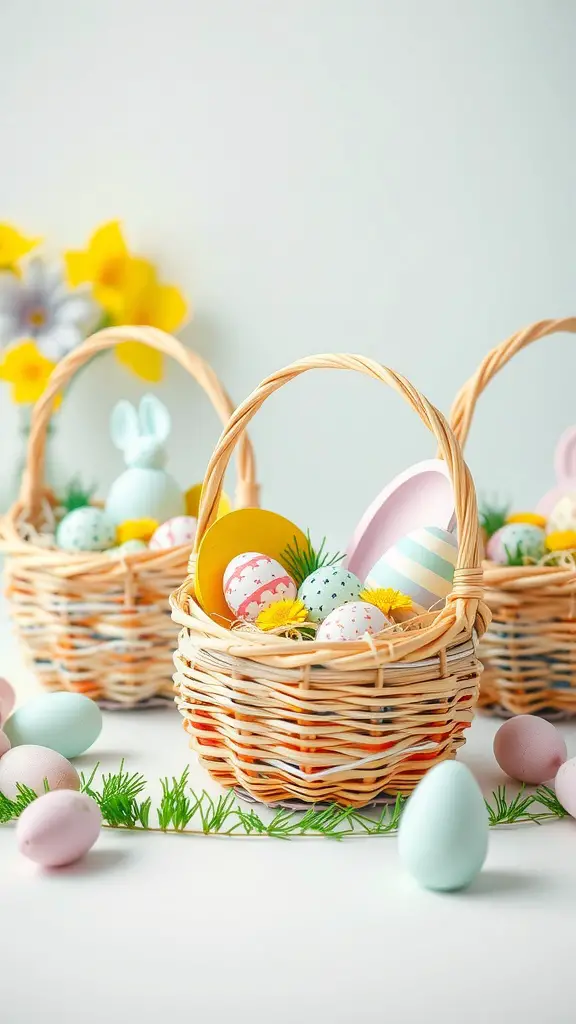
(529, 650)
(86, 622)
(287, 720)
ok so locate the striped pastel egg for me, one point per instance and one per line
(174, 532)
(253, 581)
(420, 565)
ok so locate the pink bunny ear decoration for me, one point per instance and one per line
(7, 700)
(565, 468)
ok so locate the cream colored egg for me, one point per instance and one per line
(31, 765)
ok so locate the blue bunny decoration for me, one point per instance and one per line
(145, 490)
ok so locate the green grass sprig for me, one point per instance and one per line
(76, 494)
(183, 811)
(301, 562)
(493, 517)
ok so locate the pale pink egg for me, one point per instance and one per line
(7, 699)
(4, 743)
(253, 581)
(174, 533)
(529, 749)
(565, 786)
(58, 828)
(351, 621)
(30, 765)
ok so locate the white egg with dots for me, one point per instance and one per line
(174, 533)
(253, 581)
(352, 621)
(328, 588)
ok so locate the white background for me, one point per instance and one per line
(395, 179)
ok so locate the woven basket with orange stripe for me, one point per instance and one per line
(86, 622)
(306, 721)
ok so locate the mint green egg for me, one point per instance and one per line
(67, 722)
(443, 835)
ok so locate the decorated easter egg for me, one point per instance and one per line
(253, 581)
(515, 538)
(129, 547)
(31, 765)
(563, 515)
(565, 786)
(351, 622)
(7, 699)
(443, 834)
(85, 529)
(421, 565)
(67, 722)
(326, 589)
(4, 743)
(58, 828)
(529, 749)
(174, 532)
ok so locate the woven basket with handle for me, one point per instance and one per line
(87, 622)
(529, 650)
(287, 720)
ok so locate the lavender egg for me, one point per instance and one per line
(30, 765)
(58, 828)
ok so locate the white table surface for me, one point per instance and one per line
(170, 928)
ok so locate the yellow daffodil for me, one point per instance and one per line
(109, 267)
(154, 305)
(13, 246)
(282, 613)
(386, 599)
(136, 529)
(27, 370)
(533, 518)
(561, 540)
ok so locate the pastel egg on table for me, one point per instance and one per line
(420, 565)
(253, 581)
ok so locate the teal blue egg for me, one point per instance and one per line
(67, 722)
(443, 835)
(85, 529)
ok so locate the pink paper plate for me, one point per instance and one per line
(420, 496)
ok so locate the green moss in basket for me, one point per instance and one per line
(516, 556)
(300, 562)
(76, 495)
(493, 517)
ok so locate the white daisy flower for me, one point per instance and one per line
(40, 305)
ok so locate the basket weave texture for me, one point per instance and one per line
(87, 622)
(529, 650)
(287, 720)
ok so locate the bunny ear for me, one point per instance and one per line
(565, 456)
(124, 424)
(154, 418)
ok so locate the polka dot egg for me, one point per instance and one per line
(174, 532)
(351, 622)
(86, 529)
(326, 589)
(253, 581)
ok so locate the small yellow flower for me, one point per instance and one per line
(27, 370)
(527, 517)
(282, 613)
(14, 245)
(561, 540)
(108, 266)
(386, 599)
(136, 529)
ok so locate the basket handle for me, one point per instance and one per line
(468, 583)
(466, 399)
(32, 487)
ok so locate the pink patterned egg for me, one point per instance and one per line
(351, 621)
(253, 581)
(174, 532)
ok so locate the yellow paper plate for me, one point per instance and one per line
(192, 498)
(246, 529)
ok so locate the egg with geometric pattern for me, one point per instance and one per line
(253, 581)
(420, 565)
